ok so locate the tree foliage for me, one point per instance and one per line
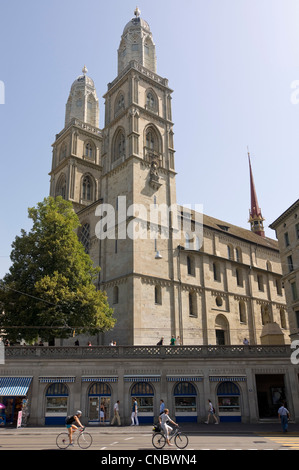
(50, 288)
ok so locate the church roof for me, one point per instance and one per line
(239, 232)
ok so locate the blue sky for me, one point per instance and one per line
(231, 64)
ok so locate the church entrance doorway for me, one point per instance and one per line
(270, 393)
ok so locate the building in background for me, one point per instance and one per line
(286, 227)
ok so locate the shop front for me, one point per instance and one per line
(99, 403)
(142, 389)
(185, 397)
(228, 398)
(14, 397)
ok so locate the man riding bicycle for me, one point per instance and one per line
(71, 422)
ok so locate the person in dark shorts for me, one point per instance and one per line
(72, 423)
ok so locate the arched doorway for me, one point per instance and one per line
(144, 394)
(99, 397)
(185, 402)
(222, 330)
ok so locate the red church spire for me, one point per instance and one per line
(255, 214)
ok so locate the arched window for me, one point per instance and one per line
(150, 140)
(192, 304)
(216, 271)
(158, 295)
(115, 294)
(88, 150)
(87, 188)
(185, 401)
(239, 276)
(61, 186)
(228, 395)
(63, 150)
(84, 237)
(119, 146)
(56, 403)
(144, 394)
(242, 311)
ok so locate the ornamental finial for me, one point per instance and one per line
(84, 70)
(137, 12)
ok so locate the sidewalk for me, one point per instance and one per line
(189, 428)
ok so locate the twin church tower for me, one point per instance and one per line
(131, 161)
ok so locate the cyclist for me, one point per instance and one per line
(72, 423)
(164, 419)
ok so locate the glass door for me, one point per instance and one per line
(94, 408)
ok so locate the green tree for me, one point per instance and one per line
(50, 286)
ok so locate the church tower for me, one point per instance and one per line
(138, 172)
(255, 214)
(76, 169)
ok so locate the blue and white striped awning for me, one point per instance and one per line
(142, 378)
(222, 378)
(14, 386)
(184, 378)
(56, 379)
(99, 379)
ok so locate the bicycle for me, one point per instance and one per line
(84, 440)
(180, 439)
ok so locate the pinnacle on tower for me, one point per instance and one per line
(255, 214)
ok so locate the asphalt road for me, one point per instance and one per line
(126, 439)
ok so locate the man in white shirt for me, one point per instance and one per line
(116, 416)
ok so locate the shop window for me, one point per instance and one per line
(56, 403)
(185, 402)
(144, 394)
(228, 394)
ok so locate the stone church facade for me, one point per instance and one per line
(176, 273)
(212, 283)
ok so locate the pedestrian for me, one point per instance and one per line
(211, 412)
(178, 341)
(164, 419)
(172, 341)
(160, 343)
(162, 406)
(284, 415)
(116, 416)
(134, 415)
(245, 341)
(102, 413)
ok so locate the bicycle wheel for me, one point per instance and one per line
(62, 440)
(158, 440)
(84, 440)
(181, 440)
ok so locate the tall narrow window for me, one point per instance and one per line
(150, 140)
(115, 294)
(290, 263)
(158, 295)
(84, 237)
(260, 282)
(88, 150)
(120, 146)
(86, 188)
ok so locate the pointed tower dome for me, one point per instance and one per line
(255, 214)
(83, 103)
(137, 44)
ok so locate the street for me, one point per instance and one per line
(127, 439)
